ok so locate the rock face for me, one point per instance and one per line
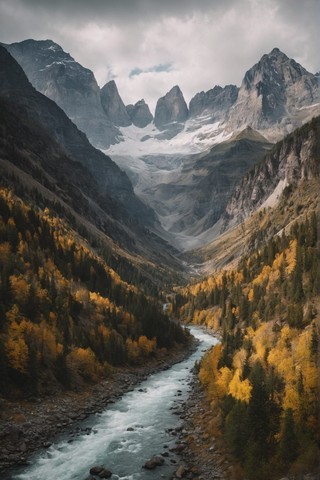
(171, 108)
(113, 105)
(139, 114)
(215, 102)
(291, 161)
(272, 91)
(57, 75)
(35, 107)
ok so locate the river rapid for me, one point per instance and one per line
(149, 412)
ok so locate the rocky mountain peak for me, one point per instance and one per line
(171, 108)
(271, 90)
(113, 105)
(139, 114)
(215, 102)
(57, 75)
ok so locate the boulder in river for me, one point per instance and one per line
(105, 473)
(96, 470)
(155, 461)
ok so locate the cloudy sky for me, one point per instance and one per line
(148, 46)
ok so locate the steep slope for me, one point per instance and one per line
(57, 75)
(262, 297)
(139, 114)
(215, 102)
(66, 315)
(290, 162)
(113, 105)
(35, 106)
(262, 380)
(170, 108)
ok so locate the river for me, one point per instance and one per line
(148, 412)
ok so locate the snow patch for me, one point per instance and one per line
(196, 137)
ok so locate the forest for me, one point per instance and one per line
(263, 377)
(66, 316)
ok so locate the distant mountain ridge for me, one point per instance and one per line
(53, 72)
(168, 158)
(272, 98)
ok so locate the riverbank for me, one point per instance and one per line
(201, 444)
(27, 426)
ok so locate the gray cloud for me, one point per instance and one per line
(156, 68)
(151, 45)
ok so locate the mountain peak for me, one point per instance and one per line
(139, 114)
(171, 108)
(113, 105)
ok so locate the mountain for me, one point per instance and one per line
(189, 193)
(57, 75)
(37, 107)
(113, 105)
(168, 161)
(139, 114)
(272, 93)
(98, 113)
(170, 108)
(291, 162)
(214, 103)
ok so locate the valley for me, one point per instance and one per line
(108, 213)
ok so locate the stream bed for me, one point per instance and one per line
(127, 434)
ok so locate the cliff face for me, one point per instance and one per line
(171, 108)
(35, 107)
(215, 102)
(57, 75)
(291, 161)
(272, 91)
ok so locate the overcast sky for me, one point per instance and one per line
(148, 46)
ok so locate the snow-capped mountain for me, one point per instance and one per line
(175, 160)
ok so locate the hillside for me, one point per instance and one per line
(67, 316)
(262, 298)
(262, 380)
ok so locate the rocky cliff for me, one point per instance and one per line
(291, 161)
(139, 114)
(171, 108)
(214, 103)
(35, 107)
(113, 105)
(272, 93)
(57, 75)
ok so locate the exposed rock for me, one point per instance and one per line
(290, 162)
(113, 105)
(110, 180)
(139, 114)
(96, 470)
(181, 471)
(271, 91)
(57, 75)
(171, 108)
(215, 102)
(155, 461)
(105, 473)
